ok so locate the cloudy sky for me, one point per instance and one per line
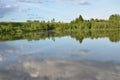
(61, 10)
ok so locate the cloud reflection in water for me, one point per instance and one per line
(50, 69)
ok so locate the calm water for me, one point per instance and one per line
(82, 55)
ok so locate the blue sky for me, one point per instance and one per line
(61, 10)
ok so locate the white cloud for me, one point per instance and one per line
(22, 10)
(8, 6)
(21, 0)
(1, 58)
(43, 8)
(31, 1)
(76, 2)
(5, 9)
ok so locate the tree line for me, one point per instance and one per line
(78, 24)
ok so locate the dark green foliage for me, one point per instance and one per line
(78, 20)
(114, 21)
(77, 24)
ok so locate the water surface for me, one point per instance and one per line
(70, 55)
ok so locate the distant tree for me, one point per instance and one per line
(36, 21)
(29, 20)
(91, 19)
(81, 18)
(114, 21)
(53, 20)
(114, 17)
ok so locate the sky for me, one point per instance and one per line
(61, 10)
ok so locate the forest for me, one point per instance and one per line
(113, 23)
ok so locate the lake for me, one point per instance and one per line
(60, 55)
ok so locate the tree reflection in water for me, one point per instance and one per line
(113, 35)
